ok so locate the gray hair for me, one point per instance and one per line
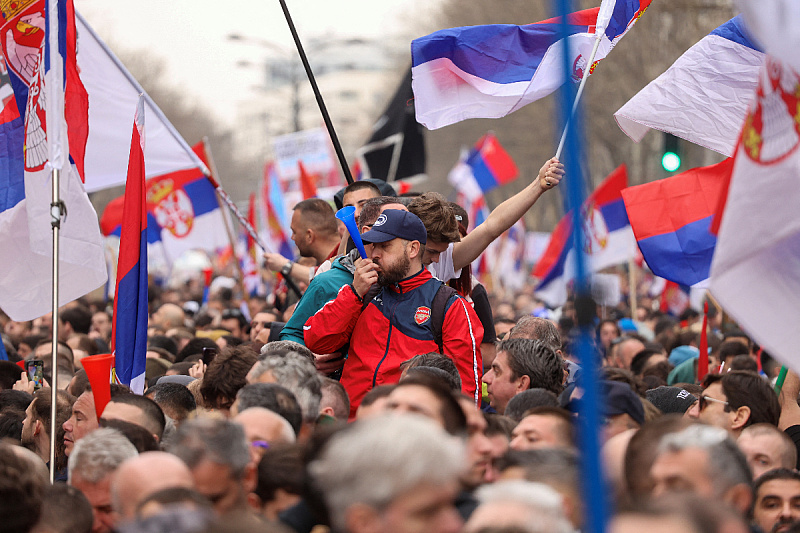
(295, 372)
(98, 454)
(727, 465)
(286, 346)
(376, 460)
(544, 506)
(217, 440)
(537, 360)
(534, 327)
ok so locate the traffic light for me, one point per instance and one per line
(671, 156)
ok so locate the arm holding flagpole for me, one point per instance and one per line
(506, 214)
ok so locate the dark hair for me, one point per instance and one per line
(535, 359)
(67, 510)
(731, 348)
(376, 393)
(499, 425)
(11, 425)
(771, 475)
(281, 467)
(78, 316)
(744, 388)
(164, 342)
(149, 408)
(341, 400)
(236, 314)
(21, 491)
(640, 360)
(15, 400)
(371, 209)
(194, 347)
(743, 362)
(174, 399)
(437, 216)
(566, 421)
(226, 374)
(41, 411)
(435, 360)
(274, 397)
(318, 215)
(455, 421)
(360, 185)
(9, 374)
(141, 438)
(528, 399)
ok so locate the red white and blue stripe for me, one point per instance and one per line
(489, 71)
(671, 220)
(129, 334)
(703, 96)
(43, 126)
(608, 240)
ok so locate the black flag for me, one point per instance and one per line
(396, 149)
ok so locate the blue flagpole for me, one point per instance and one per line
(594, 491)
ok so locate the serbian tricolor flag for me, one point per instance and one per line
(129, 334)
(703, 96)
(671, 220)
(490, 71)
(484, 168)
(276, 216)
(608, 241)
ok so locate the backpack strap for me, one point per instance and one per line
(438, 307)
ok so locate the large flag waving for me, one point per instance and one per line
(609, 240)
(755, 273)
(113, 92)
(129, 334)
(703, 96)
(671, 219)
(491, 71)
(34, 136)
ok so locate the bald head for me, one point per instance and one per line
(169, 316)
(143, 475)
(264, 426)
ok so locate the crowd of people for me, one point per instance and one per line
(393, 394)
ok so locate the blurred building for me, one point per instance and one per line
(355, 77)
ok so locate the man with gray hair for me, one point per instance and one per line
(391, 473)
(522, 364)
(705, 461)
(217, 454)
(91, 466)
(537, 328)
(296, 373)
(519, 506)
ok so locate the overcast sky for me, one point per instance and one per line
(191, 35)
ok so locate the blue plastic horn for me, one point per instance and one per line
(347, 214)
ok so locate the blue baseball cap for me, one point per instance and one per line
(396, 224)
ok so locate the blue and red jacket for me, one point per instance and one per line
(394, 327)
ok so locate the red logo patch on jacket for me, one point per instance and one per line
(422, 314)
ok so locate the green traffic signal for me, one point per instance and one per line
(670, 161)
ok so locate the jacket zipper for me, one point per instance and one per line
(388, 339)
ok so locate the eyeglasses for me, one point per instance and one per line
(705, 399)
(263, 324)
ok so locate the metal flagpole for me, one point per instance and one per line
(55, 116)
(320, 102)
(250, 231)
(603, 17)
(228, 229)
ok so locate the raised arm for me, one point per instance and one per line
(506, 215)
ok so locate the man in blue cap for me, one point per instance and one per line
(398, 322)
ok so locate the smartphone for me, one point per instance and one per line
(35, 370)
(208, 355)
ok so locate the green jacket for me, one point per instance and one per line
(321, 290)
